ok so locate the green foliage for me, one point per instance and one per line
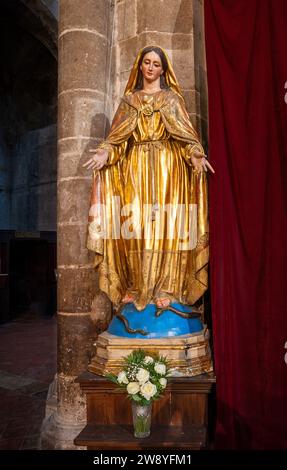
(112, 377)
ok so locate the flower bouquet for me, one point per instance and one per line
(144, 377)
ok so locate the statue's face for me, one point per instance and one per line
(151, 66)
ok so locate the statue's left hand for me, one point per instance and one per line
(200, 163)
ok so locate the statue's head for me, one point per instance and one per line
(155, 55)
(166, 73)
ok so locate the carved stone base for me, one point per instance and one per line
(62, 423)
(188, 355)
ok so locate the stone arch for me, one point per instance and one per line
(45, 24)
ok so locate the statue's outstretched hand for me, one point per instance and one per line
(200, 163)
(98, 160)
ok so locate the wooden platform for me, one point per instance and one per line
(179, 419)
(121, 438)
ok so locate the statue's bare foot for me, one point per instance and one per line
(162, 302)
(128, 298)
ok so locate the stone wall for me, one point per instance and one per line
(28, 109)
(5, 172)
(33, 186)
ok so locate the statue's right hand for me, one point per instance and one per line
(98, 160)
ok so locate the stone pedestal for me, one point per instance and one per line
(187, 355)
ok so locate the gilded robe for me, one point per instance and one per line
(150, 144)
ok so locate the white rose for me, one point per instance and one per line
(163, 382)
(148, 360)
(133, 388)
(142, 375)
(160, 368)
(148, 390)
(122, 378)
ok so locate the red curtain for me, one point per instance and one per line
(246, 43)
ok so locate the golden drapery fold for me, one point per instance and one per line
(148, 174)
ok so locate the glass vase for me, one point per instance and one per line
(141, 419)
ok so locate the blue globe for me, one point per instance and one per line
(166, 325)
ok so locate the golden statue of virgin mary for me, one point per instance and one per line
(148, 223)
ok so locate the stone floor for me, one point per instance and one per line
(27, 367)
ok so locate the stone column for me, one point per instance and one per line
(200, 71)
(84, 29)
